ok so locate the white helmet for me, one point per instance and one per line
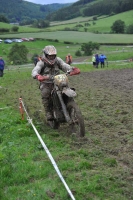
(50, 54)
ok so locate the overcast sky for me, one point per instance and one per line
(51, 1)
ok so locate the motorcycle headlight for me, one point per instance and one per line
(61, 80)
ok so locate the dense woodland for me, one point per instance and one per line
(90, 8)
(19, 10)
(25, 11)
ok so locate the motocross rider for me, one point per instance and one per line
(45, 69)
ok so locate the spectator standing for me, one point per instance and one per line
(97, 60)
(36, 59)
(94, 60)
(2, 65)
(102, 59)
(69, 59)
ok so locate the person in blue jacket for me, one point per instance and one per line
(97, 60)
(2, 65)
(102, 59)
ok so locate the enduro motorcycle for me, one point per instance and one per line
(65, 109)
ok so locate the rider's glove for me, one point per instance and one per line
(51, 77)
(41, 78)
(75, 71)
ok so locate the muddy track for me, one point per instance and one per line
(107, 106)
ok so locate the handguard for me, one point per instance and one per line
(75, 71)
(41, 78)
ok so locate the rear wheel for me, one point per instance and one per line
(77, 126)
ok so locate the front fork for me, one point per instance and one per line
(66, 114)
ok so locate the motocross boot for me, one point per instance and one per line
(48, 111)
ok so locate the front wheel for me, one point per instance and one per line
(77, 122)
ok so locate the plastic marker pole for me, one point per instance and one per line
(21, 108)
(48, 153)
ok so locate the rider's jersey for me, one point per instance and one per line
(45, 69)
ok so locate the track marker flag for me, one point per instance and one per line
(21, 108)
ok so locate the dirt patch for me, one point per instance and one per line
(106, 101)
(107, 106)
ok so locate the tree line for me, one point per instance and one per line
(25, 12)
(107, 7)
(86, 8)
(28, 13)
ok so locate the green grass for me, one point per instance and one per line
(71, 21)
(22, 29)
(77, 37)
(111, 66)
(104, 25)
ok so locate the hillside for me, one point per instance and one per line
(101, 25)
(24, 10)
(90, 8)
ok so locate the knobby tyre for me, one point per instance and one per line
(77, 127)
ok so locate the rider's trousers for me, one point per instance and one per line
(46, 89)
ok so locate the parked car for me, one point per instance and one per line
(31, 39)
(13, 40)
(20, 40)
(1, 40)
(7, 41)
(25, 39)
(17, 40)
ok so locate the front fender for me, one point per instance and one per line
(69, 92)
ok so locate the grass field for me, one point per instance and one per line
(77, 37)
(21, 28)
(88, 168)
(113, 53)
(102, 24)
